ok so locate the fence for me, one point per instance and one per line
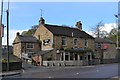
(12, 66)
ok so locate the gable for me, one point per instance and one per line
(42, 30)
(16, 40)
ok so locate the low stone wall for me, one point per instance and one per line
(78, 63)
(108, 61)
(12, 66)
(62, 63)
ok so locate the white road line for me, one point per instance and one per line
(103, 65)
(50, 77)
(77, 73)
(115, 77)
(97, 70)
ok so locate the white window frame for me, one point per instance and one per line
(30, 44)
(65, 39)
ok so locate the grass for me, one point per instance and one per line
(5, 60)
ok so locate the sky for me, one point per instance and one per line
(23, 15)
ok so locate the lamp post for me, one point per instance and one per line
(118, 48)
(8, 36)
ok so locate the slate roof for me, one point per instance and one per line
(101, 40)
(30, 39)
(67, 31)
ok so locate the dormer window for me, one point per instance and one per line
(30, 45)
(64, 42)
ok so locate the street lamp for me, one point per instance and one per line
(8, 36)
(118, 48)
(116, 16)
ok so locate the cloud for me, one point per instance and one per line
(107, 27)
(12, 35)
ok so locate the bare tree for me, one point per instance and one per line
(97, 30)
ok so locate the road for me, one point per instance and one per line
(93, 71)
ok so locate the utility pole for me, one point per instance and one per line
(8, 36)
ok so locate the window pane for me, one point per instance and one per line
(63, 40)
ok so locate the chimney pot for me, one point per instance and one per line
(41, 21)
(79, 25)
(18, 34)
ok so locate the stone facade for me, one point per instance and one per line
(42, 34)
(110, 53)
(105, 50)
(62, 43)
(51, 41)
(20, 48)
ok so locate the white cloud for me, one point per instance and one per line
(107, 27)
(12, 35)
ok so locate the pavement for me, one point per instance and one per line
(10, 73)
(26, 66)
(59, 71)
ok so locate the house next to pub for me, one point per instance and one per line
(105, 50)
(56, 45)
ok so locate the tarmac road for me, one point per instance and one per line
(93, 71)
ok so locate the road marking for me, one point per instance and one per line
(115, 77)
(88, 66)
(50, 77)
(97, 70)
(77, 73)
(103, 65)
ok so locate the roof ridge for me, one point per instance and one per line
(60, 26)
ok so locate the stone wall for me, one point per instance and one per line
(20, 48)
(111, 52)
(17, 49)
(42, 34)
(80, 44)
(12, 66)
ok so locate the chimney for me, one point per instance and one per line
(41, 21)
(79, 25)
(18, 34)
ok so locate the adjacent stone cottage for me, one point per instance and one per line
(105, 50)
(25, 47)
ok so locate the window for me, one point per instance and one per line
(81, 57)
(75, 42)
(86, 43)
(64, 41)
(71, 56)
(30, 46)
(30, 54)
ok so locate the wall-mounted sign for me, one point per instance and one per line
(46, 41)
